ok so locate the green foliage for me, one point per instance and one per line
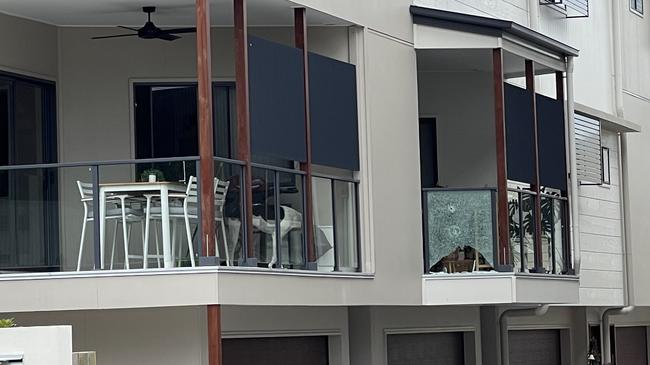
(7, 323)
(144, 176)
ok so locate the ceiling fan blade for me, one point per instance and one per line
(115, 36)
(167, 37)
(129, 28)
(180, 30)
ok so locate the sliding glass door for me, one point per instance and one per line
(28, 209)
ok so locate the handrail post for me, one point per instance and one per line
(94, 172)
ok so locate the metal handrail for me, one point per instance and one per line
(460, 189)
(96, 163)
(335, 178)
(277, 168)
(229, 160)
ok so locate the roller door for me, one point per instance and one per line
(313, 350)
(426, 349)
(534, 347)
(631, 346)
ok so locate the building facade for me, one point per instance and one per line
(327, 182)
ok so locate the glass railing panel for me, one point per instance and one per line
(459, 230)
(521, 215)
(291, 209)
(554, 233)
(323, 223)
(346, 230)
(263, 186)
(40, 221)
(228, 212)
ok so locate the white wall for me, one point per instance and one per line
(463, 105)
(601, 244)
(636, 55)
(38, 345)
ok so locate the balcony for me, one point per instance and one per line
(493, 161)
(112, 181)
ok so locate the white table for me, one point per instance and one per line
(141, 188)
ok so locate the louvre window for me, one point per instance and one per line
(588, 150)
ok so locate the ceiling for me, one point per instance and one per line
(169, 12)
(480, 60)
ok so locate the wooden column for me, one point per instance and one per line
(530, 86)
(243, 122)
(503, 231)
(214, 334)
(206, 146)
(300, 33)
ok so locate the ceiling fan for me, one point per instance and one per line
(150, 30)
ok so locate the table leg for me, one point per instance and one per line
(102, 225)
(164, 212)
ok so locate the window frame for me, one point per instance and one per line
(634, 8)
(605, 166)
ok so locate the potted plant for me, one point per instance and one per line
(152, 175)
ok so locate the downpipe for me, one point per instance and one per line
(573, 171)
(606, 350)
(503, 326)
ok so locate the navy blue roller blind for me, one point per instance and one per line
(552, 152)
(277, 100)
(333, 108)
(519, 134)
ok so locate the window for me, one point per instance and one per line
(605, 167)
(636, 6)
(588, 150)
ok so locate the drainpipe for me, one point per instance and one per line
(605, 322)
(533, 14)
(618, 58)
(607, 354)
(503, 325)
(573, 170)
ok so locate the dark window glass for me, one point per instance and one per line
(606, 170)
(637, 5)
(166, 123)
(28, 216)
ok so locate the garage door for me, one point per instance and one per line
(535, 347)
(311, 350)
(426, 348)
(631, 346)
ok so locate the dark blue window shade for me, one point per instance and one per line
(277, 100)
(334, 118)
(552, 157)
(519, 134)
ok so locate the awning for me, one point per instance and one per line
(608, 121)
(440, 29)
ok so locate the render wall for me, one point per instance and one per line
(178, 335)
(636, 54)
(462, 103)
(33, 53)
